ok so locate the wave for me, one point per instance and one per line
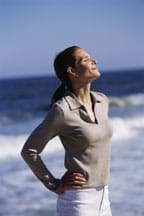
(11, 115)
(127, 101)
(123, 129)
(11, 146)
(127, 128)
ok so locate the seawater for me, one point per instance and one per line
(24, 103)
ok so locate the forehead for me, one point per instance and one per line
(80, 53)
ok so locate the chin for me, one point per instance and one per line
(97, 74)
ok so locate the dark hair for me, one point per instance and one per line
(62, 61)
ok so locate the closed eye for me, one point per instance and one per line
(87, 59)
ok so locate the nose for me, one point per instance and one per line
(94, 61)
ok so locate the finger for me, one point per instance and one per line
(68, 187)
(76, 183)
(73, 178)
(77, 174)
(79, 178)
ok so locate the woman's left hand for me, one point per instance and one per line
(73, 180)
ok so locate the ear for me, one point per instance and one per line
(71, 71)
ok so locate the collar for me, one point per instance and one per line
(74, 102)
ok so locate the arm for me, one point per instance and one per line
(50, 127)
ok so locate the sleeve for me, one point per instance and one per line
(50, 127)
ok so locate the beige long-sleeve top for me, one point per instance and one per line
(87, 143)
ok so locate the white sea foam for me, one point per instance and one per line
(10, 146)
(127, 128)
(123, 129)
(130, 100)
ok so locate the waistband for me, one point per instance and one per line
(101, 187)
(97, 188)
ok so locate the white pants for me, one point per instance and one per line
(84, 202)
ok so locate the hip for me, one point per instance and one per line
(85, 201)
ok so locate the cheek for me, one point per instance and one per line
(82, 70)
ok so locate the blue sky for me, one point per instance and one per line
(33, 31)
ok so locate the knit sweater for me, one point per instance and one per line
(87, 143)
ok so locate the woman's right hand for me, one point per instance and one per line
(73, 180)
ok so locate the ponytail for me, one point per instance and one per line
(62, 61)
(60, 91)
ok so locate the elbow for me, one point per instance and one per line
(23, 153)
(29, 154)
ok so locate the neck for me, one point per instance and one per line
(82, 93)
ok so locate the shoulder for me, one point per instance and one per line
(61, 104)
(101, 96)
(104, 100)
(59, 107)
(55, 111)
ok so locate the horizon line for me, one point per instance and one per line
(53, 75)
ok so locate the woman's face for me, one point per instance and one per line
(85, 66)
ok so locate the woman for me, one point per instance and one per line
(79, 117)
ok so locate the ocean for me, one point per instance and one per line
(24, 103)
